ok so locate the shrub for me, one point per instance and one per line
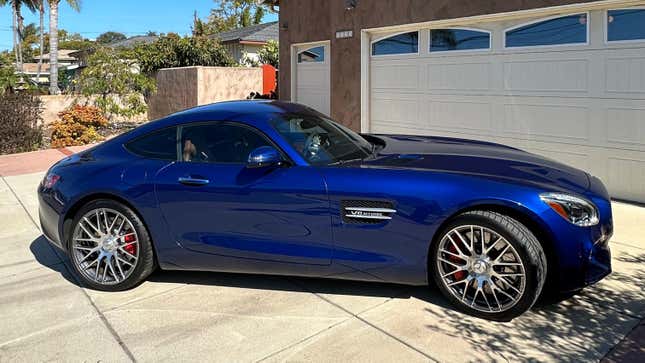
(171, 51)
(78, 126)
(20, 122)
(115, 81)
(270, 54)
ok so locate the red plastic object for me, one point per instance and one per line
(268, 79)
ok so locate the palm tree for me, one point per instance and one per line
(40, 4)
(17, 25)
(53, 41)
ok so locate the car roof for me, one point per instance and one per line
(242, 107)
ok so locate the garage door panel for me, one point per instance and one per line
(313, 76)
(626, 176)
(543, 75)
(465, 115)
(404, 108)
(459, 77)
(626, 128)
(548, 122)
(626, 75)
(396, 76)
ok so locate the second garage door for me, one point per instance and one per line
(570, 87)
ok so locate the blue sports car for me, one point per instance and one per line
(277, 188)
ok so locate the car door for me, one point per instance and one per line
(213, 204)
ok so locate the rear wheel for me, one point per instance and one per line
(488, 265)
(109, 247)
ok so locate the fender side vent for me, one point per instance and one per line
(366, 211)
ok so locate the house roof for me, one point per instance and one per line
(33, 68)
(132, 41)
(63, 55)
(255, 33)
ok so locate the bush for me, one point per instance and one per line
(20, 122)
(78, 126)
(171, 51)
(116, 82)
(270, 54)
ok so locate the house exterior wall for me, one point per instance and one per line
(303, 21)
(182, 88)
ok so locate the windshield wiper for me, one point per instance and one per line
(342, 162)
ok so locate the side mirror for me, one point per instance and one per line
(264, 156)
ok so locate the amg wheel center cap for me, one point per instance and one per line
(110, 244)
(479, 267)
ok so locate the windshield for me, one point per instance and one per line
(321, 141)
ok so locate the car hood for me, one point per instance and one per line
(475, 158)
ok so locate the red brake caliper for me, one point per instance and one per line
(132, 248)
(459, 275)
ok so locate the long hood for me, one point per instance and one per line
(475, 158)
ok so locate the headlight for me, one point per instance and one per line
(576, 210)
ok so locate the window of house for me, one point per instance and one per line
(219, 143)
(625, 24)
(157, 145)
(312, 55)
(570, 29)
(458, 39)
(397, 44)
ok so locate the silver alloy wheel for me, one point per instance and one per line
(481, 268)
(105, 246)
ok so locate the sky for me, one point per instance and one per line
(130, 17)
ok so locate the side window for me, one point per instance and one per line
(312, 55)
(219, 143)
(458, 39)
(625, 24)
(157, 145)
(570, 29)
(397, 44)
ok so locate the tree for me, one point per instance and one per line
(40, 4)
(29, 42)
(115, 82)
(199, 28)
(8, 78)
(110, 37)
(53, 42)
(171, 50)
(270, 54)
(233, 14)
(18, 26)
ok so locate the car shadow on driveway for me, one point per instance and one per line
(42, 251)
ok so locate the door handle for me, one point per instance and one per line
(193, 181)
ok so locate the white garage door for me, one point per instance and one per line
(570, 87)
(312, 76)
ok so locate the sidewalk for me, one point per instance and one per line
(35, 161)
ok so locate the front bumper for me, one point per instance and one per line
(49, 216)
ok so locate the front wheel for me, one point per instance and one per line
(109, 247)
(488, 265)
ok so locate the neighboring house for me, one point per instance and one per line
(66, 61)
(249, 40)
(562, 78)
(129, 43)
(31, 71)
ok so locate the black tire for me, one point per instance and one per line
(524, 243)
(145, 263)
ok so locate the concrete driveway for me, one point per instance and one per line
(45, 315)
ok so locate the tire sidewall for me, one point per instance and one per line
(533, 284)
(145, 253)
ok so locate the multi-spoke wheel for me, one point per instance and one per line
(489, 265)
(109, 246)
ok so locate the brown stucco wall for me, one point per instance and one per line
(314, 20)
(182, 88)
